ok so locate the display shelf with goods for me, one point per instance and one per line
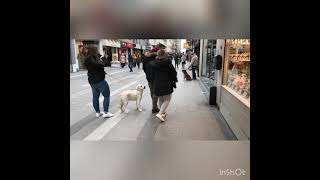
(238, 67)
(235, 91)
(114, 54)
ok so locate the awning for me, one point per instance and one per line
(110, 42)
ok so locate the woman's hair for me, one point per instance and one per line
(161, 52)
(93, 54)
(92, 51)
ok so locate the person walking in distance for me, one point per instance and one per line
(130, 59)
(134, 61)
(138, 60)
(183, 60)
(122, 60)
(176, 61)
(165, 78)
(194, 64)
(96, 78)
(82, 56)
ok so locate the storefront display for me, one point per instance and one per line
(208, 59)
(111, 46)
(238, 60)
(207, 66)
(235, 91)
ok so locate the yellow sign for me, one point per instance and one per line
(238, 41)
(185, 45)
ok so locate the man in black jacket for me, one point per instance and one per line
(96, 78)
(146, 66)
(164, 80)
(130, 59)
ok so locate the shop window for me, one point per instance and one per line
(114, 50)
(238, 66)
(210, 61)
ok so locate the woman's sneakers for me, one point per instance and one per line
(105, 115)
(98, 114)
(164, 115)
(161, 116)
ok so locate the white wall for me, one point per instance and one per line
(204, 57)
(200, 58)
(73, 49)
(151, 42)
(219, 73)
(160, 41)
(169, 45)
(101, 46)
(181, 47)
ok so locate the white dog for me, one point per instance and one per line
(131, 95)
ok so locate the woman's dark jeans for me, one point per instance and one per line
(103, 88)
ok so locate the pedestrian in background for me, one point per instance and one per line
(183, 61)
(165, 78)
(130, 59)
(171, 57)
(122, 60)
(96, 78)
(143, 57)
(138, 60)
(134, 57)
(82, 56)
(194, 65)
(176, 61)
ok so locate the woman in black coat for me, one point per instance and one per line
(96, 78)
(165, 78)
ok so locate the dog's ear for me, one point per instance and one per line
(137, 87)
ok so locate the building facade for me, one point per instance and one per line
(231, 79)
(115, 47)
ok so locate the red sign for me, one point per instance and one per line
(126, 45)
(129, 45)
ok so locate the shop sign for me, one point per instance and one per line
(126, 45)
(238, 41)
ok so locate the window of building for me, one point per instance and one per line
(114, 50)
(238, 66)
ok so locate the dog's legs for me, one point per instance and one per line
(125, 107)
(121, 105)
(138, 104)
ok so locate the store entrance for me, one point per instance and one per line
(210, 58)
(107, 51)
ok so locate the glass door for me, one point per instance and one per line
(211, 46)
